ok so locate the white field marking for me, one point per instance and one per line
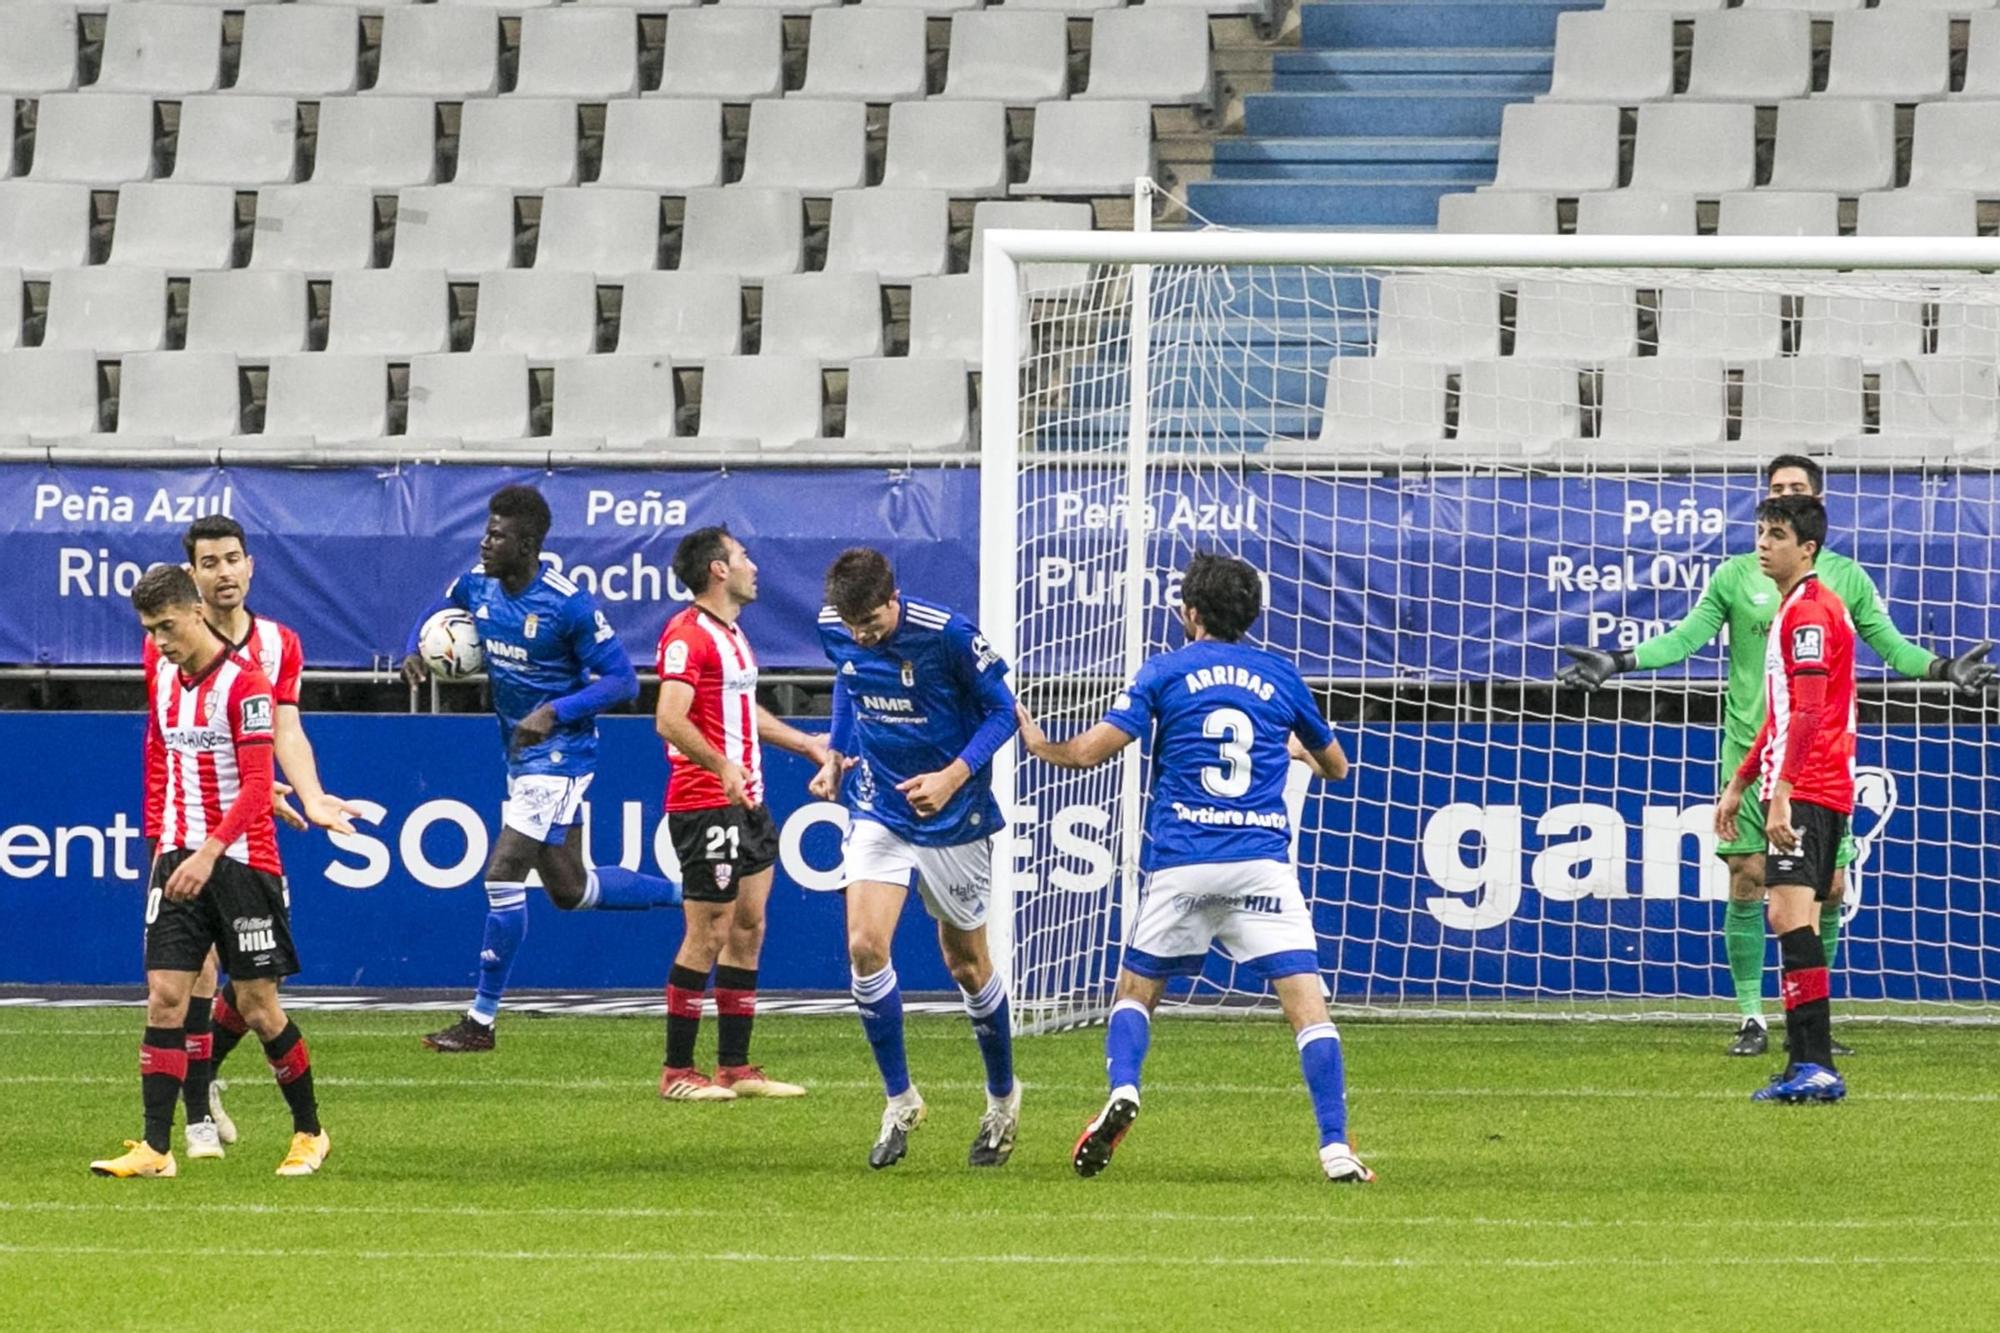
(641, 1213)
(1082, 1089)
(904, 1260)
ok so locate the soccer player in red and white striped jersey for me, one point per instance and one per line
(1803, 759)
(216, 882)
(722, 832)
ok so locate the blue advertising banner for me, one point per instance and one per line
(1526, 861)
(350, 556)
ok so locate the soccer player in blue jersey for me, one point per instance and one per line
(1224, 720)
(920, 707)
(554, 664)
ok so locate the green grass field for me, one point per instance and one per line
(1531, 1175)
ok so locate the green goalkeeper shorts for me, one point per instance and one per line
(1750, 828)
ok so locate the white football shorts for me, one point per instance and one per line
(1253, 909)
(956, 883)
(544, 805)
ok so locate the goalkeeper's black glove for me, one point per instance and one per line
(1970, 672)
(1590, 668)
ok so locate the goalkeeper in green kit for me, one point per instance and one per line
(1742, 597)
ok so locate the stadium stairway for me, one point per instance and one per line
(1387, 105)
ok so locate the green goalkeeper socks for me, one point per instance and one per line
(1743, 936)
(1829, 931)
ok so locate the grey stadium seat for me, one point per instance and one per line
(1514, 402)
(110, 311)
(1896, 55)
(1918, 213)
(1068, 6)
(243, 141)
(253, 313)
(1751, 55)
(771, 400)
(462, 229)
(605, 232)
(1448, 316)
(869, 54)
(1149, 54)
(684, 316)
(1659, 401)
(1635, 213)
(734, 54)
(1801, 400)
(1809, 6)
(384, 143)
(898, 235)
(40, 53)
(49, 393)
(957, 147)
(1033, 215)
(589, 54)
(328, 397)
(1982, 56)
(1957, 147)
(439, 51)
(1741, 325)
(998, 55)
(1870, 327)
(1621, 58)
(1833, 144)
(907, 403)
(94, 139)
(469, 398)
(1498, 213)
(180, 228)
(180, 397)
(1557, 146)
(662, 144)
(744, 232)
(832, 317)
(945, 318)
(1089, 148)
(1968, 330)
(300, 50)
(165, 49)
(44, 227)
(934, 8)
(1779, 213)
(1697, 147)
(316, 229)
(813, 147)
(1382, 403)
(622, 402)
(525, 143)
(1953, 399)
(1574, 321)
(10, 308)
(390, 312)
(541, 314)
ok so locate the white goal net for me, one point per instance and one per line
(1450, 457)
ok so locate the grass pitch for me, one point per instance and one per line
(1531, 1175)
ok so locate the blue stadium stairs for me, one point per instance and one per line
(1387, 105)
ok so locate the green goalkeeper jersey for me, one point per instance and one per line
(1742, 596)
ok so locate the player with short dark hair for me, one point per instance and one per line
(920, 707)
(1803, 761)
(722, 831)
(1742, 598)
(554, 664)
(216, 882)
(1224, 720)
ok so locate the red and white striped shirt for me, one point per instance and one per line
(1810, 714)
(202, 725)
(714, 658)
(278, 654)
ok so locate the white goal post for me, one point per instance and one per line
(1450, 457)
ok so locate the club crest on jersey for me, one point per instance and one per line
(909, 674)
(257, 714)
(1808, 644)
(530, 625)
(209, 707)
(723, 873)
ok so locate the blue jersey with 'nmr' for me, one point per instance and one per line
(912, 703)
(540, 646)
(1218, 715)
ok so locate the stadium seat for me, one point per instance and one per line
(908, 404)
(957, 147)
(1067, 6)
(945, 318)
(1517, 402)
(540, 314)
(1089, 148)
(109, 311)
(1695, 7)
(588, 54)
(998, 55)
(1572, 320)
(383, 143)
(1968, 330)
(1621, 58)
(666, 145)
(734, 54)
(1033, 215)
(164, 49)
(1982, 55)
(683, 316)
(525, 144)
(180, 228)
(1809, 6)
(40, 53)
(1895, 55)
(1696, 147)
(867, 54)
(1148, 54)
(1831, 144)
(300, 50)
(93, 138)
(771, 401)
(328, 397)
(462, 229)
(1871, 327)
(1751, 55)
(50, 394)
(252, 313)
(315, 229)
(1555, 146)
(1661, 401)
(44, 227)
(1448, 316)
(1740, 325)
(1957, 147)
(389, 312)
(1801, 400)
(833, 317)
(1952, 399)
(622, 402)
(179, 397)
(1498, 213)
(10, 308)
(784, 6)
(1918, 213)
(1635, 213)
(504, 6)
(439, 51)
(606, 232)
(1779, 213)
(813, 147)
(242, 141)
(468, 398)
(746, 233)
(898, 235)
(1377, 404)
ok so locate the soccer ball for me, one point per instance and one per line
(449, 644)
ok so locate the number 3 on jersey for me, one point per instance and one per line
(1231, 778)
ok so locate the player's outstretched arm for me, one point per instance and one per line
(1086, 749)
(1589, 668)
(1330, 763)
(295, 758)
(776, 731)
(1969, 672)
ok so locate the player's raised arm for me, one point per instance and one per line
(1590, 668)
(1086, 749)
